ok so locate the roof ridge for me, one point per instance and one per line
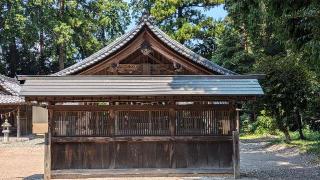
(4, 83)
(219, 68)
(119, 42)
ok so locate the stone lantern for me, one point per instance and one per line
(6, 130)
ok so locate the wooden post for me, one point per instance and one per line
(172, 121)
(18, 123)
(172, 129)
(47, 146)
(47, 157)
(112, 126)
(236, 154)
(238, 120)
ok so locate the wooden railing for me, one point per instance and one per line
(81, 123)
(143, 122)
(203, 122)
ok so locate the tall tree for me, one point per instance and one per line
(42, 36)
(62, 42)
(289, 87)
(230, 52)
(185, 21)
(12, 23)
(298, 26)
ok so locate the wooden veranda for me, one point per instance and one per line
(145, 105)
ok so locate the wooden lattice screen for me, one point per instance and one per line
(80, 123)
(202, 122)
(142, 123)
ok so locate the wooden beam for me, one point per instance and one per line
(236, 155)
(137, 107)
(140, 139)
(183, 98)
(140, 172)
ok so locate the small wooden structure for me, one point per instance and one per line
(14, 107)
(144, 102)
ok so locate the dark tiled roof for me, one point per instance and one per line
(123, 40)
(211, 85)
(10, 91)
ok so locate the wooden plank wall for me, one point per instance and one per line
(194, 137)
(120, 155)
(26, 119)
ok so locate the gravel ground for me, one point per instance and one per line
(259, 160)
(21, 159)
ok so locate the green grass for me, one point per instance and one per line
(310, 145)
(255, 136)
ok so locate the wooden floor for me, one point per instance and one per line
(100, 173)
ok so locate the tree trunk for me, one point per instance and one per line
(180, 20)
(61, 56)
(41, 53)
(299, 123)
(245, 38)
(13, 57)
(62, 46)
(283, 129)
(286, 135)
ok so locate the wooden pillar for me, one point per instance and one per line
(18, 123)
(172, 129)
(172, 121)
(236, 154)
(47, 157)
(111, 127)
(47, 147)
(238, 120)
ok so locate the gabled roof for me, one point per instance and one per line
(124, 39)
(9, 91)
(109, 86)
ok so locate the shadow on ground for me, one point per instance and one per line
(34, 177)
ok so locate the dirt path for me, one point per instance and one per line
(259, 160)
(21, 160)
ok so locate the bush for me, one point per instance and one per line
(314, 123)
(245, 125)
(265, 124)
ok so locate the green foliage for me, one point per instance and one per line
(288, 88)
(183, 20)
(231, 53)
(33, 32)
(245, 124)
(298, 26)
(265, 124)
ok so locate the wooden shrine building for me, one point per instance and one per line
(143, 105)
(14, 108)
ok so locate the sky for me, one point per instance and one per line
(217, 13)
